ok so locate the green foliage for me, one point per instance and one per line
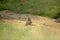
(2, 7)
(51, 13)
(37, 7)
(38, 12)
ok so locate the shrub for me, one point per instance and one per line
(51, 13)
(38, 12)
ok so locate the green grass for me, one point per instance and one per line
(15, 32)
(10, 32)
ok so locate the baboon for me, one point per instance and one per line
(28, 22)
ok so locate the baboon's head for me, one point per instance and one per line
(29, 18)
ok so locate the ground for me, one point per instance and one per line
(42, 28)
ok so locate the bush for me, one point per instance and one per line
(38, 12)
(51, 13)
(29, 7)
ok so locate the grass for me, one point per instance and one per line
(12, 32)
(9, 32)
(41, 30)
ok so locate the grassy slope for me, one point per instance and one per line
(42, 29)
(9, 32)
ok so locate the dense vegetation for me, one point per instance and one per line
(48, 8)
